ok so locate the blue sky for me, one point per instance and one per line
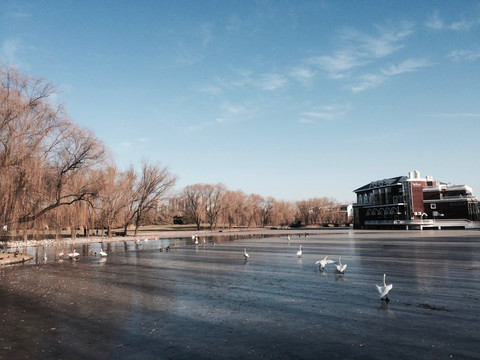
(290, 99)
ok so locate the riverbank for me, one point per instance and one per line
(15, 250)
(10, 258)
(150, 234)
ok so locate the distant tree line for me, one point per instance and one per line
(56, 175)
(214, 205)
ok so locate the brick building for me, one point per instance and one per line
(412, 202)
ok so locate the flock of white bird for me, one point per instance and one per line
(74, 255)
(382, 290)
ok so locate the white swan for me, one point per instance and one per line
(61, 253)
(324, 262)
(74, 255)
(45, 257)
(102, 253)
(299, 252)
(384, 290)
(340, 268)
(288, 238)
(245, 255)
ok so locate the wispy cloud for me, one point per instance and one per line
(205, 34)
(18, 15)
(302, 74)
(246, 78)
(409, 65)
(340, 63)
(464, 55)
(368, 81)
(359, 49)
(322, 113)
(463, 115)
(228, 113)
(305, 121)
(387, 40)
(435, 22)
(210, 89)
(271, 82)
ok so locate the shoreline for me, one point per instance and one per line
(18, 257)
(14, 256)
(162, 234)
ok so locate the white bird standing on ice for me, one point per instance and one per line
(245, 255)
(102, 253)
(340, 268)
(74, 255)
(299, 252)
(384, 290)
(324, 262)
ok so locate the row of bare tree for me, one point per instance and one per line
(215, 205)
(53, 173)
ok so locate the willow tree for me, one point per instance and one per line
(213, 196)
(233, 210)
(46, 161)
(193, 200)
(115, 200)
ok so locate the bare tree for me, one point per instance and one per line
(45, 160)
(213, 202)
(233, 209)
(68, 175)
(194, 209)
(115, 198)
(253, 208)
(152, 187)
(266, 211)
(283, 213)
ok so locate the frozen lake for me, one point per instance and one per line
(206, 302)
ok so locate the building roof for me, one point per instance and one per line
(382, 183)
